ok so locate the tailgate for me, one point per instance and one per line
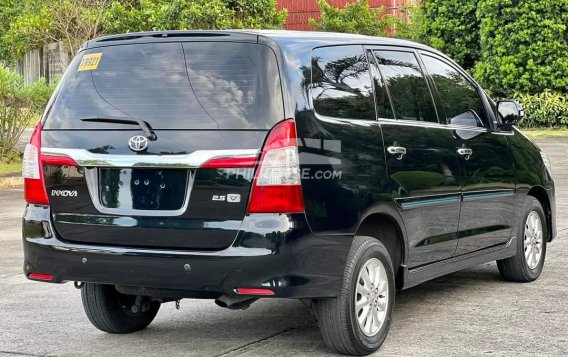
(193, 101)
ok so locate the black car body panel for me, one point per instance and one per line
(273, 251)
(450, 213)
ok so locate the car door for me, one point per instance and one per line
(421, 154)
(487, 209)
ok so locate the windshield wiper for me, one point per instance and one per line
(146, 128)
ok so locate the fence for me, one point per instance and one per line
(48, 62)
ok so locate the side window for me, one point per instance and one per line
(382, 100)
(341, 84)
(460, 98)
(407, 86)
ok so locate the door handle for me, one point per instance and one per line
(397, 151)
(465, 152)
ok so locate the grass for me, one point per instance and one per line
(545, 133)
(11, 167)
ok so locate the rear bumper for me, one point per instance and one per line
(271, 251)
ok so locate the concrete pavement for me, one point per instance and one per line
(472, 312)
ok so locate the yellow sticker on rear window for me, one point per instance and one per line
(90, 62)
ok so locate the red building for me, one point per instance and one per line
(299, 11)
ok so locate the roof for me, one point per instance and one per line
(278, 36)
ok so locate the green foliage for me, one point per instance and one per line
(412, 25)
(27, 25)
(546, 109)
(148, 15)
(452, 27)
(357, 17)
(24, 27)
(524, 46)
(20, 104)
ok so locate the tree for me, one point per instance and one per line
(42, 22)
(27, 25)
(357, 17)
(524, 46)
(452, 27)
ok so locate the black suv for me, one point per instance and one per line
(238, 165)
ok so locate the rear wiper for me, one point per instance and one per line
(146, 128)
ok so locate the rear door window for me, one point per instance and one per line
(460, 98)
(191, 85)
(341, 83)
(408, 89)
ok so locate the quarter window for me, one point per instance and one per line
(460, 98)
(341, 84)
(407, 86)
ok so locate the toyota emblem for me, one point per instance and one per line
(138, 143)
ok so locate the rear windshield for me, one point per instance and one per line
(189, 85)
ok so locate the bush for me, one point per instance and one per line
(547, 109)
(152, 15)
(452, 27)
(20, 104)
(356, 17)
(524, 46)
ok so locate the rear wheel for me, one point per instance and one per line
(527, 264)
(358, 320)
(113, 312)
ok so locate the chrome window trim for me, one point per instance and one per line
(183, 161)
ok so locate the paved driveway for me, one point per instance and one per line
(472, 312)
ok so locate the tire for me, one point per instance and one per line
(522, 267)
(109, 311)
(337, 317)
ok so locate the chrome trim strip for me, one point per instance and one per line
(476, 195)
(183, 161)
(415, 202)
(91, 175)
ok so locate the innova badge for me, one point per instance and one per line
(138, 143)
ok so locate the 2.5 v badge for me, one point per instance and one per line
(231, 198)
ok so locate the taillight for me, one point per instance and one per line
(34, 187)
(276, 187)
(32, 168)
(230, 163)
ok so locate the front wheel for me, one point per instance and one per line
(527, 264)
(358, 320)
(113, 312)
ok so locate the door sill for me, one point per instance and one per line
(415, 276)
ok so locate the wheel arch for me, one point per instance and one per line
(390, 231)
(540, 194)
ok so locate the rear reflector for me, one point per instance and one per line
(254, 291)
(40, 276)
(276, 187)
(230, 163)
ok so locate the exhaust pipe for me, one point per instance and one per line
(235, 303)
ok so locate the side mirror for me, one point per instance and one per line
(509, 113)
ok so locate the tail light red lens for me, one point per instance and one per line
(230, 163)
(276, 187)
(32, 168)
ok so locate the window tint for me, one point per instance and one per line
(410, 96)
(461, 100)
(341, 84)
(191, 85)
